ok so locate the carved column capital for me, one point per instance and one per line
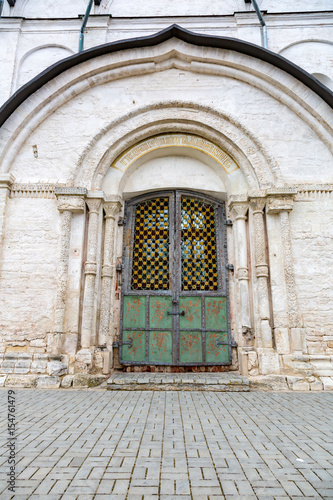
(239, 206)
(279, 200)
(70, 199)
(93, 205)
(258, 204)
(111, 208)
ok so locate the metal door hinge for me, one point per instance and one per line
(176, 313)
(228, 222)
(119, 268)
(122, 221)
(230, 267)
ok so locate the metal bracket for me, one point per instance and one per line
(229, 222)
(176, 313)
(122, 221)
(119, 268)
(230, 267)
(119, 343)
(219, 342)
(11, 2)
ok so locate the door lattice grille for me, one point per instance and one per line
(150, 265)
(198, 246)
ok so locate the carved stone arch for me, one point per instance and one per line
(171, 48)
(257, 165)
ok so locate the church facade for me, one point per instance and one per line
(166, 192)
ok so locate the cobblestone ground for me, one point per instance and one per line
(94, 444)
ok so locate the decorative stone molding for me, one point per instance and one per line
(314, 192)
(70, 203)
(294, 318)
(180, 140)
(111, 209)
(26, 190)
(280, 201)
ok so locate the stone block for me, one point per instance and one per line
(298, 384)
(296, 337)
(269, 382)
(316, 385)
(46, 382)
(7, 366)
(268, 361)
(86, 380)
(21, 380)
(70, 343)
(22, 366)
(282, 340)
(327, 383)
(38, 366)
(83, 361)
(38, 343)
(67, 381)
(2, 380)
(56, 368)
(41, 356)
(18, 355)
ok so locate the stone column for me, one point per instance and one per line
(281, 202)
(111, 208)
(261, 269)
(68, 202)
(239, 208)
(90, 270)
(6, 180)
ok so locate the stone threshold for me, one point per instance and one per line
(204, 381)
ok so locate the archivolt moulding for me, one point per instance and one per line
(257, 165)
(172, 53)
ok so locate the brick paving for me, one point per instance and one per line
(98, 444)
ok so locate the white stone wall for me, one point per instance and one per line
(71, 131)
(32, 41)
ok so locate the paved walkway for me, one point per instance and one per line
(98, 444)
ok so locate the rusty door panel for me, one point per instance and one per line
(190, 347)
(191, 306)
(159, 307)
(135, 350)
(216, 313)
(160, 347)
(134, 312)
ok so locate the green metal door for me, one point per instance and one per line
(175, 308)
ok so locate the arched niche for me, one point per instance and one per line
(170, 161)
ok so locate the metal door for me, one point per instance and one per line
(175, 308)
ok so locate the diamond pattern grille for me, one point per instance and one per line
(150, 264)
(198, 245)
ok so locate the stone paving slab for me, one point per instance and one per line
(98, 444)
(209, 381)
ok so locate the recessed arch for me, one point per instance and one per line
(257, 165)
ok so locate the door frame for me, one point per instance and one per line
(174, 272)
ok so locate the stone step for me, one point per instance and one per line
(218, 382)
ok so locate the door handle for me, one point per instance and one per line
(176, 313)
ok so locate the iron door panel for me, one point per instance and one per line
(179, 318)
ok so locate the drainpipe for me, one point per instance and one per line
(85, 19)
(262, 22)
